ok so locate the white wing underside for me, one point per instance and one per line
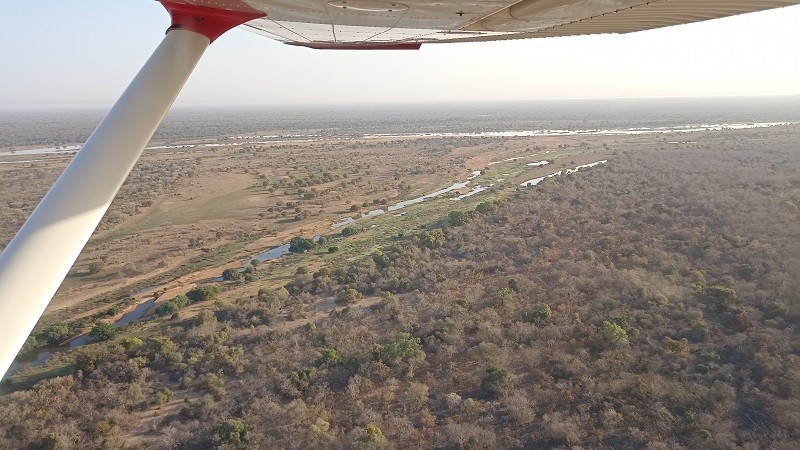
(378, 23)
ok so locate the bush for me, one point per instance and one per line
(720, 296)
(57, 333)
(231, 275)
(163, 396)
(612, 332)
(775, 310)
(330, 357)
(496, 381)
(129, 343)
(381, 259)
(540, 312)
(348, 297)
(372, 434)
(230, 432)
(402, 347)
(487, 207)
(333, 249)
(172, 306)
(200, 293)
(103, 331)
(457, 218)
(349, 231)
(301, 245)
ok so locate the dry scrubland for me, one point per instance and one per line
(183, 211)
(649, 302)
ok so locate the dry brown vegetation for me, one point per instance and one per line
(647, 303)
(181, 211)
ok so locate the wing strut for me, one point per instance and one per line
(38, 258)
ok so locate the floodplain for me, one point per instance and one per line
(519, 282)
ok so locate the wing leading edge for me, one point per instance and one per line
(380, 24)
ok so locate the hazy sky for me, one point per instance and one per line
(84, 53)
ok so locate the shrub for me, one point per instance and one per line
(302, 378)
(172, 306)
(349, 231)
(129, 343)
(301, 245)
(381, 259)
(402, 347)
(163, 396)
(496, 381)
(372, 434)
(57, 333)
(103, 331)
(200, 293)
(540, 312)
(699, 332)
(330, 357)
(231, 275)
(746, 271)
(348, 297)
(612, 332)
(720, 296)
(231, 432)
(775, 310)
(487, 207)
(457, 218)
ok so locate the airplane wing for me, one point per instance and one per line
(381, 24)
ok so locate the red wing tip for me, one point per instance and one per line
(365, 46)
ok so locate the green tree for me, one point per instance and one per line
(231, 275)
(172, 306)
(457, 218)
(372, 434)
(349, 231)
(388, 300)
(212, 384)
(496, 381)
(103, 331)
(776, 309)
(402, 347)
(612, 332)
(487, 207)
(201, 293)
(130, 343)
(302, 378)
(57, 333)
(720, 296)
(505, 296)
(348, 297)
(540, 312)
(381, 259)
(746, 271)
(301, 245)
(163, 396)
(89, 358)
(330, 357)
(433, 239)
(230, 432)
